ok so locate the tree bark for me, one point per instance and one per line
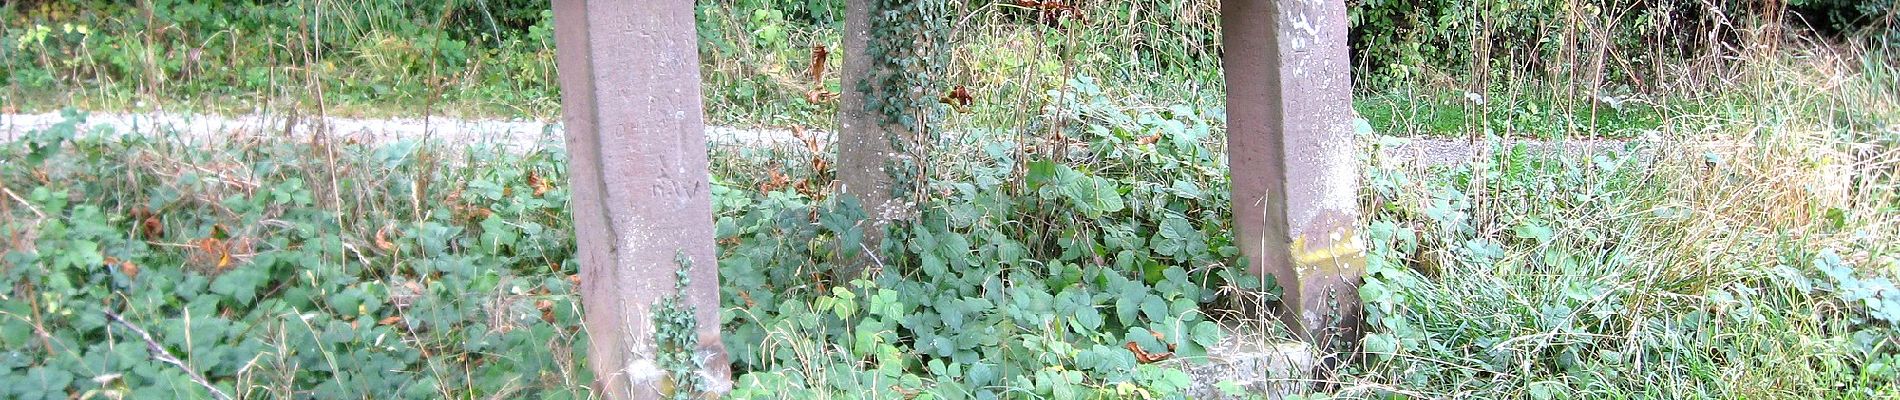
(866, 155)
(1290, 150)
(641, 194)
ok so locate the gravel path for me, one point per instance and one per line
(1441, 151)
(528, 134)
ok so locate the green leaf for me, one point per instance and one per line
(1228, 388)
(1545, 390)
(1155, 308)
(497, 234)
(1534, 229)
(15, 335)
(44, 383)
(1186, 189)
(1042, 173)
(240, 284)
(1374, 291)
(1381, 346)
(1088, 318)
(933, 265)
(1128, 304)
(1205, 333)
(1104, 358)
(1175, 228)
(1178, 238)
(1107, 197)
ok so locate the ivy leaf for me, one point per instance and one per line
(497, 234)
(1374, 291)
(952, 313)
(1104, 358)
(1167, 247)
(15, 336)
(943, 345)
(981, 374)
(1146, 339)
(934, 266)
(1175, 228)
(1177, 238)
(847, 305)
(1042, 173)
(1102, 196)
(1545, 390)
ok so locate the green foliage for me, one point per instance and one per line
(1436, 113)
(996, 290)
(1876, 296)
(460, 55)
(675, 330)
(908, 38)
(1033, 288)
(758, 58)
(1548, 275)
(1408, 39)
(1848, 15)
(240, 260)
(909, 41)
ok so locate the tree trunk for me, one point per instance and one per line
(867, 156)
(641, 194)
(1290, 149)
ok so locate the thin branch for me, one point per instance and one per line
(159, 353)
(29, 205)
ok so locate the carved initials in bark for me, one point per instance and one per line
(1290, 147)
(641, 197)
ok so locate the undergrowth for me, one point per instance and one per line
(1725, 257)
(277, 274)
(1722, 257)
(362, 272)
(1604, 68)
(1074, 241)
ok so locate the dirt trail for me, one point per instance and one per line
(522, 135)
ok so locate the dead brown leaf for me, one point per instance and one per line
(547, 310)
(820, 96)
(382, 238)
(1144, 357)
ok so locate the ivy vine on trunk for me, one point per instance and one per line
(896, 52)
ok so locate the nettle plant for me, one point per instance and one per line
(1085, 277)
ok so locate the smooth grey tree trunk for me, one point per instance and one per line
(641, 201)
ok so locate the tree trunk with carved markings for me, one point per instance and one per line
(1290, 149)
(641, 201)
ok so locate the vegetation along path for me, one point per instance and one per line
(521, 134)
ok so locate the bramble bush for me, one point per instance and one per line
(270, 273)
(268, 278)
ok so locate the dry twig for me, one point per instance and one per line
(159, 353)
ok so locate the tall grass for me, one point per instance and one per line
(1688, 265)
